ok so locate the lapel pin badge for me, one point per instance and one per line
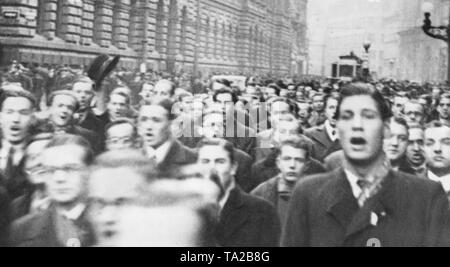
(374, 219)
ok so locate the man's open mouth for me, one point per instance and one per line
(359, 141)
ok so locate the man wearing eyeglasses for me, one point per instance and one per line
(36, 199)
(64, 224)
(121, 134)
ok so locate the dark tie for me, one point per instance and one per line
(9, 170)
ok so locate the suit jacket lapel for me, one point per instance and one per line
(233, 215)
(382, 204)
(321, 136)
(43, 231)
(341, 204)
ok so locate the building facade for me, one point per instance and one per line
(400, 49)
(168, 35)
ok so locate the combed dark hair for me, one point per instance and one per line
(298, 143)
(401, 121)
(165, 103)
(69, 139)
(275, 87)
(293, 107)
(226, 145)
(358, 89)
(330, 96)
(234, 97)
(17, 93)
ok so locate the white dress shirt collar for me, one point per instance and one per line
(330, 130)
(75, 213)
(444, 180)
(353, 180)
(160, 153)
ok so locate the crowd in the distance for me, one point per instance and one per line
(146, 160)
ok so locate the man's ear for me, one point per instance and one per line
(386, 129)
(277, 162)
(234, 168)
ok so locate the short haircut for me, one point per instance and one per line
(69, 139)
(183, 95)
(234, 97)
(172, 86)
(132, 159)
(121, 122)
(299, 143)
(121, 91)
(401, 121)
(415, 102)
(328, 97)
(226, 145)
(66, 93)
(293, 107)
(17, 93)
(320, 95)
(165, 103)
(211, 112)
(274, 87)
(361, 89)
(147, 83)
(427, 98)
(83, 79)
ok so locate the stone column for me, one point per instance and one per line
(69, 19)
(121, 23)
(18, 18)
(103, 22)
(87, 25)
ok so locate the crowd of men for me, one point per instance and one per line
(277, 163)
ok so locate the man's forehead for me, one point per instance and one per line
(65, 99)
(359, 102)
(290, 150)
(437, 132)
(219, 151)
(224, 96)
(82, 86)
(17, 103)
(410, 105)
(120, 129)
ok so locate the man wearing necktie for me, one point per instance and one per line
(17, 114)
(366, 202)
(326, 137)
(65, 162)
(437, 152)
(292, 159)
